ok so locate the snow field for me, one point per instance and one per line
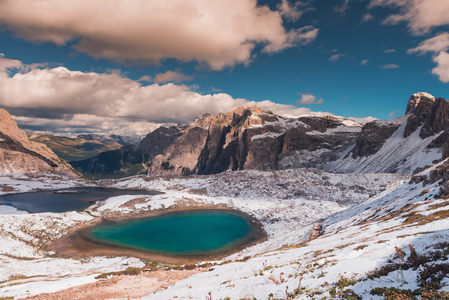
(286, 202)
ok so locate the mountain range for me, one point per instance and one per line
(249, 138)
(83, 146)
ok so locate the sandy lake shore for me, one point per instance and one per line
(78, 243)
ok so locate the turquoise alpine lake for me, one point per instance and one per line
(184, 233)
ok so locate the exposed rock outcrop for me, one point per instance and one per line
(316, 231)
(429, 112)
(20, 155)
(445, 149)
(223, 142)
(372, 137)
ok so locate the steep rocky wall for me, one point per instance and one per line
(250, 138)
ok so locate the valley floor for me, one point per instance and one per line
(368, 220)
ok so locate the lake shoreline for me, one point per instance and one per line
(78, 243)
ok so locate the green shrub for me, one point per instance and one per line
(129, 271)
(344, 282)
(393, 293)
(430, 277)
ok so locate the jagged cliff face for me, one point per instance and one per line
(245, 138)
(206, 146)
(20, 155)
(250, 138)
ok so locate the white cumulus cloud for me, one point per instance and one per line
(292, 11)
(309, 99)
(216, 33)
(172, 76)
(334, 57)
(390, 66)
(341, 9)
(6, 63)
(438, 43)
(438, 46)
(442, 68)
(62, 100)
(367, 18)
(421, 15)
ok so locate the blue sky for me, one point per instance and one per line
(128, 66)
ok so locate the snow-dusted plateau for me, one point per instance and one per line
(347, 235)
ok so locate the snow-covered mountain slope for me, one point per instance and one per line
(283, 201)
(398, 154)
(395, 244)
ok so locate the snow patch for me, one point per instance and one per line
(424, 94)
(266, 135)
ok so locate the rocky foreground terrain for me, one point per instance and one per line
(249, 138)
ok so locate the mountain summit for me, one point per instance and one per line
(428, 112)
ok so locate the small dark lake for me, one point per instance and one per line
(185, 233)
(76, 198)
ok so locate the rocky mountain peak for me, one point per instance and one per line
(429, 112)
(201, 121)
(242, 109)
(420, 102)
(245, 115)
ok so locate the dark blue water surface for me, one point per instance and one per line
(196, 232)
(76, 198)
